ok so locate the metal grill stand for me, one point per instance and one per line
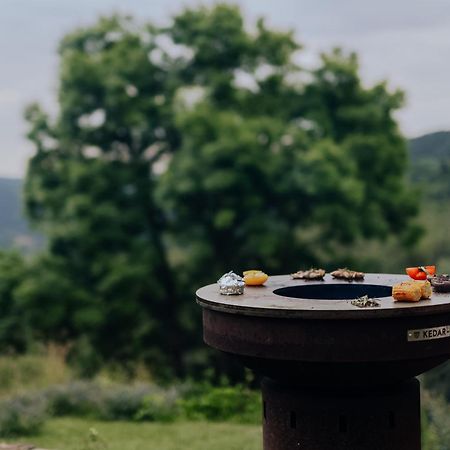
(337, 377)
(320, 419)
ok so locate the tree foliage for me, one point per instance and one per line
(183, 151)
(14, 326)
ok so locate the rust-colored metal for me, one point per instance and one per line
(356, 351)
(327, 360)
(372, 419)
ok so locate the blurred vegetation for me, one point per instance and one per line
(43, 386)
(58, 406)
(37, 370)
(435, 422)
(429, 160)
(430, 157)
(182, 152)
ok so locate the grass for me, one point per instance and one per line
(81, 434)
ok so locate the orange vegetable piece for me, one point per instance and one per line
(421, 273)
(255, 277)
(416, 274)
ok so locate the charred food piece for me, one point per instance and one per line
(441, 283)
(311, 274)
(347, 274)
(366, 302)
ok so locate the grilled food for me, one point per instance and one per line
(412, 291)
(346, 274)
(407, 292)
(425, 289)
(255, 277)
(441, 283)
(421, 272)
(311, 274)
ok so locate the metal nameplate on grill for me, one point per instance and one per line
(427, 334)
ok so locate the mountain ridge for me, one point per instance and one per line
(15, 231)
(430, 164)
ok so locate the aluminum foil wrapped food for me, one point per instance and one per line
(231, 284)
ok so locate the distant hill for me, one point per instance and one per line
(14, 229)
(430, 164)
(433, 145)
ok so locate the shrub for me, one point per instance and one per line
(207, 402)
(436, 427)
(19, 373)
(160, 406)
(115, 402)
(75, 399)
(124, 402)
(25, 415)
(22, 415)
(437, 381)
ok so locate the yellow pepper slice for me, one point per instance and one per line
(255, 277)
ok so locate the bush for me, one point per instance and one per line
(115, 402)
(22, 415)
(25, 414)
(75, 399)
(235, 403)
(436, 426)
(20, 373)
(437, 381)
(160, 406)
(151, 403)
(124, 402)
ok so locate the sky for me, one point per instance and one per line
(406, 42)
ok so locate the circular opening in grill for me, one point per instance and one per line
(334, 291)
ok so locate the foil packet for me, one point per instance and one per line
(231, 284)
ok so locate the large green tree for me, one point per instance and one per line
(183, 151)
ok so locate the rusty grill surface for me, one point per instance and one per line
(262, 301)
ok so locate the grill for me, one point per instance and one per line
(336, 377)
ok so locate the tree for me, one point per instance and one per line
(15, 333)
(184, 151)
(90, 186)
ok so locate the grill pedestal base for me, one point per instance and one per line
(379, 418)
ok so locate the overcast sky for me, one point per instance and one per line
(405, 41)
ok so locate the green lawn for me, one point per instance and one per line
(74, 434)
